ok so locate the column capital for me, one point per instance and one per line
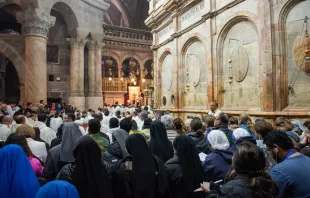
(35, 22)
(76, 42)
(95, 45)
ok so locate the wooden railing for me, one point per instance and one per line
(116, 84)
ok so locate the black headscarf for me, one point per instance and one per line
(89, 175)
(189, 161)
(120, 137)
(159, 144)
(143, 166)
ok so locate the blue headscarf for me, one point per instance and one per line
(58, 189)
(17, 176)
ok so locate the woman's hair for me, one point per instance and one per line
(246, 119)
(307, 124)
(249, 163)
(26, 131)
(283, 124)
(196, 126)
(262, 128)
(179, 125)
(209, 120)
(233, 120)
(20, 140)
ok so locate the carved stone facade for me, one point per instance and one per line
(59, 50)
(247, 55)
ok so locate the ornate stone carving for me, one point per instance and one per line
(299, 53)
(239, 61)
(192, 11)
(35, 22)
(193, 70)
(167, 73)
(76, 42)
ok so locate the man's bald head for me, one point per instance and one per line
(20, 119)
(7, 120)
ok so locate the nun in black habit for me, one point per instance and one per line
(159, 142)
(88, 174)
(117, 150)
(185, 173)
(141, 174)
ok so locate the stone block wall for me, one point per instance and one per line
(251, 56)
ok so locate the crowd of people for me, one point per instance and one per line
(123, 151)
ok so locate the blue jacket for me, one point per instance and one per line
(217, 164)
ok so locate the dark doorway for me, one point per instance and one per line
(9, 81)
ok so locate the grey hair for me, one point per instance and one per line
(167, 120)
(143, 115)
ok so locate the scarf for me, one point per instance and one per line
(17, 176)
(159, 144)
(189, 161)
(89, 175)
(70, 135)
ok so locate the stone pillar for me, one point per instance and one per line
(35, 27)
(119, 69)
(95, 98)
(77, 96)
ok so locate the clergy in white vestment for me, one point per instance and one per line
(5, 130)
(47, 134)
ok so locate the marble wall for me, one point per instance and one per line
(248, 55)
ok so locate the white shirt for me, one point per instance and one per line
(140, 124)
(109, 133)
(14, 127)
(106, 120)
(38, 149)
(55, 123)
(216, 113)
(9, 110)
(47, 134)
(5, 131)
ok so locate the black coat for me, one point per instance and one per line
(228, 133)
(113, 153)
(176, 184)
(200, 142)
(66, 172)
(235, 188)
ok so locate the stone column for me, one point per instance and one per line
(77, 96)
(119, 69)
(35, 27)
(91, 69)
(95, 98)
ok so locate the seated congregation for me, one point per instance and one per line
(135, 153)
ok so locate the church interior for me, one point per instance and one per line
(250, 56)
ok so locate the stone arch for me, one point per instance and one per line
(146, 58)
(164, 89)
(233, 20)
(112, 54)
(18, 62)
(9, 2)
(196, 79)
(133, 55)
(124, 11)
(280, 51)
(67, 13)
(30, 4)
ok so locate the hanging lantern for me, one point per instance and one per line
(132, 63)
(109, 62)
(110, 79)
